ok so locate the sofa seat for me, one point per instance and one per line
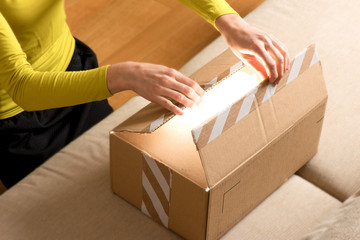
(69, 196)
(289, 213)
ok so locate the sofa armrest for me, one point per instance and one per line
(344, 223)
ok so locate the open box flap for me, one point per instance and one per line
(266, 111)
(153, 116)
(147, 120)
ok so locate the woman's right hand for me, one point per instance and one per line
(156, 83)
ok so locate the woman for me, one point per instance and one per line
(46, 100)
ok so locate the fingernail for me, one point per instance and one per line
(179, 111)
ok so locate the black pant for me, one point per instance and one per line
(30, 138)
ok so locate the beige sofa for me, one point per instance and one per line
(69, 196)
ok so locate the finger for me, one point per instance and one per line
(183, 89)
(284, 54)
(258, 66)
(279, 59)
(178, 97)
(166, 103)
(268, 61)
(283, 50)
(189, 82)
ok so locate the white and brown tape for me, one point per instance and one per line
(159, 121)
(156, 189)
(210, 130)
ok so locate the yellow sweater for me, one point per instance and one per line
(36, 47)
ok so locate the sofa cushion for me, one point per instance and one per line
(288, 213)
(344, 223)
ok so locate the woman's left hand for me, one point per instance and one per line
(263, 52)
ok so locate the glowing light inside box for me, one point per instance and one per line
(220, 97)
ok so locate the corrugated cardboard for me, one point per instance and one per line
(200, 180)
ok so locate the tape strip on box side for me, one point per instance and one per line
(214, 127)
(156, 188)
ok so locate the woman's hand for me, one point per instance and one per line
(254, 47)
(156, 83)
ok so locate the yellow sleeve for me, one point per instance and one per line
(33, 90)
(210, 10)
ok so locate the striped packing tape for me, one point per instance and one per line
(213, 128)
(156, 188)
(161, 120)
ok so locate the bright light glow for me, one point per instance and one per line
(220, 97)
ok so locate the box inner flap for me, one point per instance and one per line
(147, 120)
(215, 68)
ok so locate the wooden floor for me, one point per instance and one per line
(157, 31)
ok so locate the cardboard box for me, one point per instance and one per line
(200, 179)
